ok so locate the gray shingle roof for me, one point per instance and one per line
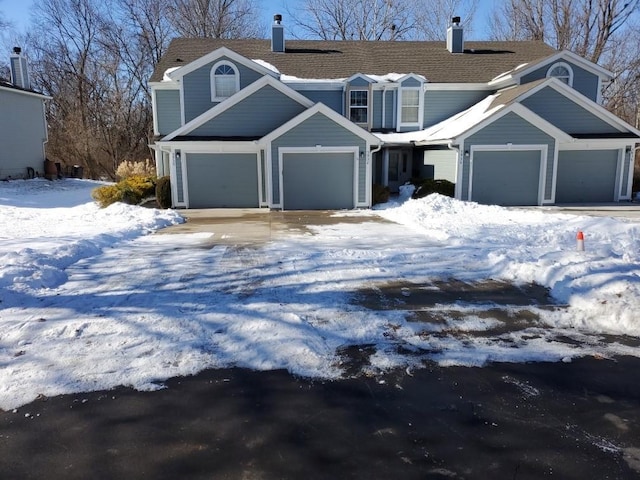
(481, 62)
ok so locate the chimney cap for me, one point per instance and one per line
(455, 20)
(17, 50)
(277, 18)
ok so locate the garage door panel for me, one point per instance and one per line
(222, 180)
(586, 176)
(506, 177)
(318, 181)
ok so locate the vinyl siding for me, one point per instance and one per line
(564, 113)
(411, 82)
(358, 82)
(22, 134)
(318, 130)
(583, 81)
(197, 87)
(255, 116)
(442, 104)
(510, 128)
(439, 164)
(331, 98)
(167, 110)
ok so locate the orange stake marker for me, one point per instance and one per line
(580, 241)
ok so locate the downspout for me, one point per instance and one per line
(384, 105)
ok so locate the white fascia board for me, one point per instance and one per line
(597, 144)
(415, 76)
(318, 86)
(212, 56)
(203, 146)
(173, 85)
(458, 86)
(360, 75)
(327, 112)
(515, 75)
(522, 112)
(27, 93)
(237, 98)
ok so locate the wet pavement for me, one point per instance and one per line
(517, 421)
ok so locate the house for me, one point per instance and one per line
(23, 125)
(311, 124)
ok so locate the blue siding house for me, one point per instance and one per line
(23, 125)
(305, 124)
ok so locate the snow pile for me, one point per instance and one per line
(601, 286)
(89, 300)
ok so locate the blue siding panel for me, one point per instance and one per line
(197, 87)
(442, 104)
(168, 110)
(331, 98)
(564, 113)
(510, 128)
(583, 81)
(255, 116)
(318, 130)
(411, 82)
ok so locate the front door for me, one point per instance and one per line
(399, 169)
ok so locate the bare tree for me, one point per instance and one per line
(215, 18)
(355, 19)
(585, 27)
(434, 17)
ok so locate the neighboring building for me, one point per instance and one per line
(23, 125)
(314, 124)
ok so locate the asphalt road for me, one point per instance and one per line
(579, 420)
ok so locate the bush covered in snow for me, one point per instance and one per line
(132, 190)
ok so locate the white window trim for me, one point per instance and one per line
(214, 97)
(561, 64)
(366, 90)
(419, 123)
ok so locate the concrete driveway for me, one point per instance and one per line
(251, 226)
(626, 211)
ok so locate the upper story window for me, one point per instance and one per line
(562, 72)
(359, 106)
(410, 106)
(225, 81)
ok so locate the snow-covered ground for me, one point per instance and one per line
(89, 300)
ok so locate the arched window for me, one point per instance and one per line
(562, 72)
(225, 81)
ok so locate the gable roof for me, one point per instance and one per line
(322, 109)
(524, 69)
(481, 62)
(237, 98)
(4, 85)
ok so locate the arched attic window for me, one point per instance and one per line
(562, 72)
(225, 81)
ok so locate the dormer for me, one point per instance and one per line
(410, 113)
(359, 99)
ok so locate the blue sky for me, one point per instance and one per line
(17, 11)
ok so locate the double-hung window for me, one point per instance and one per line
(410, 107)
(359, 106)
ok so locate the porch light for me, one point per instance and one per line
(466, 153)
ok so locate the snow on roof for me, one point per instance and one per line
(510, 72)
(386, 78)
(292, 79)
(167, 74)
(266, 65)
(449, 128)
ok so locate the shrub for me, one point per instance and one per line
(129, 169)
(163, 192)
(131, 190)
(429, 186)
(380, 194)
